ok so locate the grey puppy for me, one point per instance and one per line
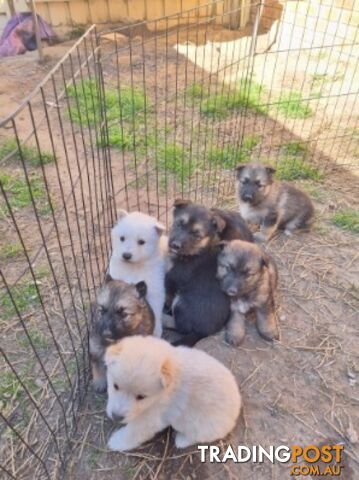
(249, 277)
(271, 204)
(121, 310)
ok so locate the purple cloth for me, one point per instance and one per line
(19, 34)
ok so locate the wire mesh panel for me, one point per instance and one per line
(132, 119)
(192, 99)
(55, 210)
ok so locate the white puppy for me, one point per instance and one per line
(155, 385)
(138, 254)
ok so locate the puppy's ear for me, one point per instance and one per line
(181, 203)
(121, 214)
(160, 228)
(218, 222)
(239, 169)
(141, 288)
(270, 170)
(112, 353)
(167, 373)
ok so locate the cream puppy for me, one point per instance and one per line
(154, 385)
(138, 254)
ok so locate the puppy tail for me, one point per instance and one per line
(189, 340)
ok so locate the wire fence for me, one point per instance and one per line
(133, 118)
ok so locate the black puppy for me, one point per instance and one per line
(199, 307)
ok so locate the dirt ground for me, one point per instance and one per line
(301, 390)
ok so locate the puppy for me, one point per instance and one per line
(249, 277)
(271, 204)
(155, 385)
(121, 310)
(138, 254)
(198, 305)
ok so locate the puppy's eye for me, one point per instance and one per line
(244, 181)
(103, 309)
(196, 233)
(140, 397)
(180, 222)
(122, 239)
(121, 312)
(258, 183)
(115, 386)
(141, 242)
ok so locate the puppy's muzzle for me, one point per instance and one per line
(232, 292)
(174, 246)
(247, 197)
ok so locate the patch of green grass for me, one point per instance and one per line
(18, 193)
(38, 339)
(294, 148)
(229, 156)
(172, 158)
(197, 90)
(126, 103)
(30, 154)
(292, 105)
(24, 295)
(10, 250)
(11, 391)
(129, 139)
(347, 219)
(294, 168)
(247, 95)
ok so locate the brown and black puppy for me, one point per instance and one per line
(198, 305)
(121, 310)
(249, 277)
(271, 204)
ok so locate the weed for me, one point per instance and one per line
(24, 295)
(11, 390)
(292, 105)
(294, 148)
(30, 154)
(347, 219)
(10, 250)
(247, 95)
(295, 168)
(172, 157)
(229, 156)
(126, 103)
(197, 90)
(18, 193)
(38, 339)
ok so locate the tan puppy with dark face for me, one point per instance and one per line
(155, 385)
(271, 204)
(248, 276)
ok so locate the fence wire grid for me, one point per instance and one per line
(132, 118)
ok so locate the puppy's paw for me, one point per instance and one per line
(234, 339)
(100, 385)
(181, 441)
(119, 441)
(269, 333)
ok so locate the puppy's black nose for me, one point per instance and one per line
(127, 256)
(231, 291)
(174, 245)
(247, 197)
